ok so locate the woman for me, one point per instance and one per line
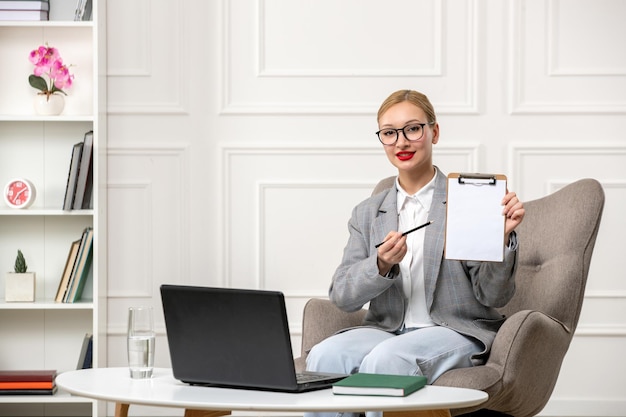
(426, 314)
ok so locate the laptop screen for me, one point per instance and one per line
(228, 337)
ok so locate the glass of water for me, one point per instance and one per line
(140, 342)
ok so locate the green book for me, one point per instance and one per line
(379, 384)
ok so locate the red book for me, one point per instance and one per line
(27, 385)
(46, 375)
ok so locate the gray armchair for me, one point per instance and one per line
(556, 238)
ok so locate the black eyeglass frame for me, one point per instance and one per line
(403, 132)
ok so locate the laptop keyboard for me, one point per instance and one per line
(300, 378)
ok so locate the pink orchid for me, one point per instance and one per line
(61, 74)
(48, 61)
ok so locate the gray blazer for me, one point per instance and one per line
(461, 295)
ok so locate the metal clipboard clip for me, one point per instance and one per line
(477, 179)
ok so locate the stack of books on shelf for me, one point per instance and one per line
(24, 9)
(78, 192)
(28, 382)
(77, 268)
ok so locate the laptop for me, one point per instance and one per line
(234, 338)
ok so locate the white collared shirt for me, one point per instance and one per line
(413, 211)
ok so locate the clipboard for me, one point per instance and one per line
(475, 223)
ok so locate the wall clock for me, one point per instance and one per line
(19, 193)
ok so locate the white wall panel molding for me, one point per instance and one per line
(550, 73)
(275, 224)
(266, 69)
(273, 192)
(259, 170)
(141, 78)
(604, 313)
(594, 62)
(602, 161)
(132, 280)
(136, 60)
(601, 331)
(148, 208)
(405, 65)
(458, 157)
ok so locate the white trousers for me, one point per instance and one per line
(428, 351)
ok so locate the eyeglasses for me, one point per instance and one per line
(412, 132)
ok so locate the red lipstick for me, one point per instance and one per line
(404, 156)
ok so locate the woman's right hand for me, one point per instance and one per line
(391, 252)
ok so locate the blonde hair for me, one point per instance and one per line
(413, 97)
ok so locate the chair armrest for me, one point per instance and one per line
(321, 319)
(522, 368)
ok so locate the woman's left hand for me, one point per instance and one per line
(513, 211)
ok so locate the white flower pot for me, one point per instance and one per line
(20, 287)
(51, 105)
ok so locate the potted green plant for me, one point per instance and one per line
(20, 285)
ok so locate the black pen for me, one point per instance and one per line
(410, 231)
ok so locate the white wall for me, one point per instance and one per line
(231, 123)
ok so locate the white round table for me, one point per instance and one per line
(115, 384)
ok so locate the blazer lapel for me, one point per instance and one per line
(435, 236)
(387, 218)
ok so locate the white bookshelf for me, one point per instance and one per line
(45, 334)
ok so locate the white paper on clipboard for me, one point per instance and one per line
(475, 223)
